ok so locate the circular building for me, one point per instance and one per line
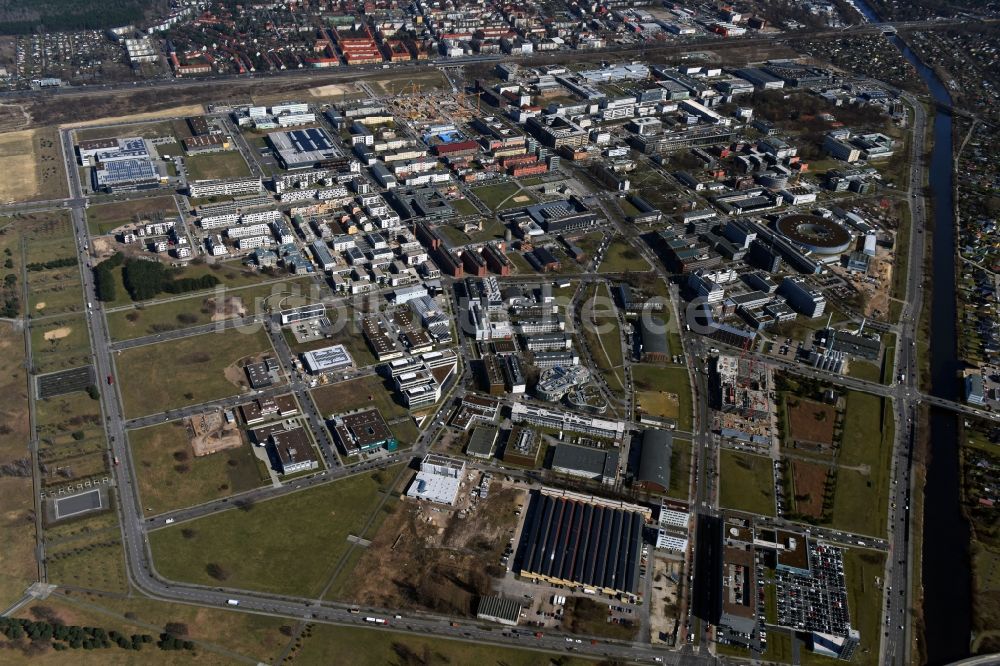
(816, 234)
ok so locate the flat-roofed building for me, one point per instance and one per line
(292, 452)
(327, 359)
(569, 421)
(500, 610)
(303, 313)
(363, 432)
(587, 462)
(582, 543)
(483, 441)
(438, 480)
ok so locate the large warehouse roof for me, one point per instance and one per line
(575, 542)
(585, 461)
(654, 458)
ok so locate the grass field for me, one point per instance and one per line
(498, 197)
(17, 560)
(96, 562)
(153, 129)
(102, 218)
(747, 482)
(865, 370)
(69, 429)
(285, 545)
(61, 343)
(371, 391)
(193, 311)
(621, 257)
(861, 500)
(56, 291)
(226, 164)
(680, 469)
(673, 379)
(189, 371)
(367, 647)
(864, 599)
(222, 637)
(170, 477)
(230, 275)
(464, 207)
(33, 166)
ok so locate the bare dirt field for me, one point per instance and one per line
(809, 480)
(811, 421)
(210, 434)
(58, 333)
(435, 559)
(231, 306)
(335, 90)
(658, 403)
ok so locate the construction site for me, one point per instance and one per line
(210, 433)
(740, 391)
(440, 558)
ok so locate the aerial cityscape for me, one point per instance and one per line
(626, 332)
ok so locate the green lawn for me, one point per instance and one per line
(55, 291)
(102, 218)
(860, 501)
(226, 164)
(496, 196)
(747, 482)
(61, 343)
(287, 545)
(371, 391)
(368, 647)
(406, 432)
(680, 469)
(193, 311)
(189, 371)
(865, 370)
(170, 477)
(864, 599)
(672, 379)
(95, 562)
(621, 257)
(464, 207)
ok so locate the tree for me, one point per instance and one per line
(216, 571)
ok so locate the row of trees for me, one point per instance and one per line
(55, 263)
(66, 637)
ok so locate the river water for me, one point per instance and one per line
(946, 565)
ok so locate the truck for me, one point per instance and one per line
(233, 602)
(376, 620)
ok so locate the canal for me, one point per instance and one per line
(946, 573)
